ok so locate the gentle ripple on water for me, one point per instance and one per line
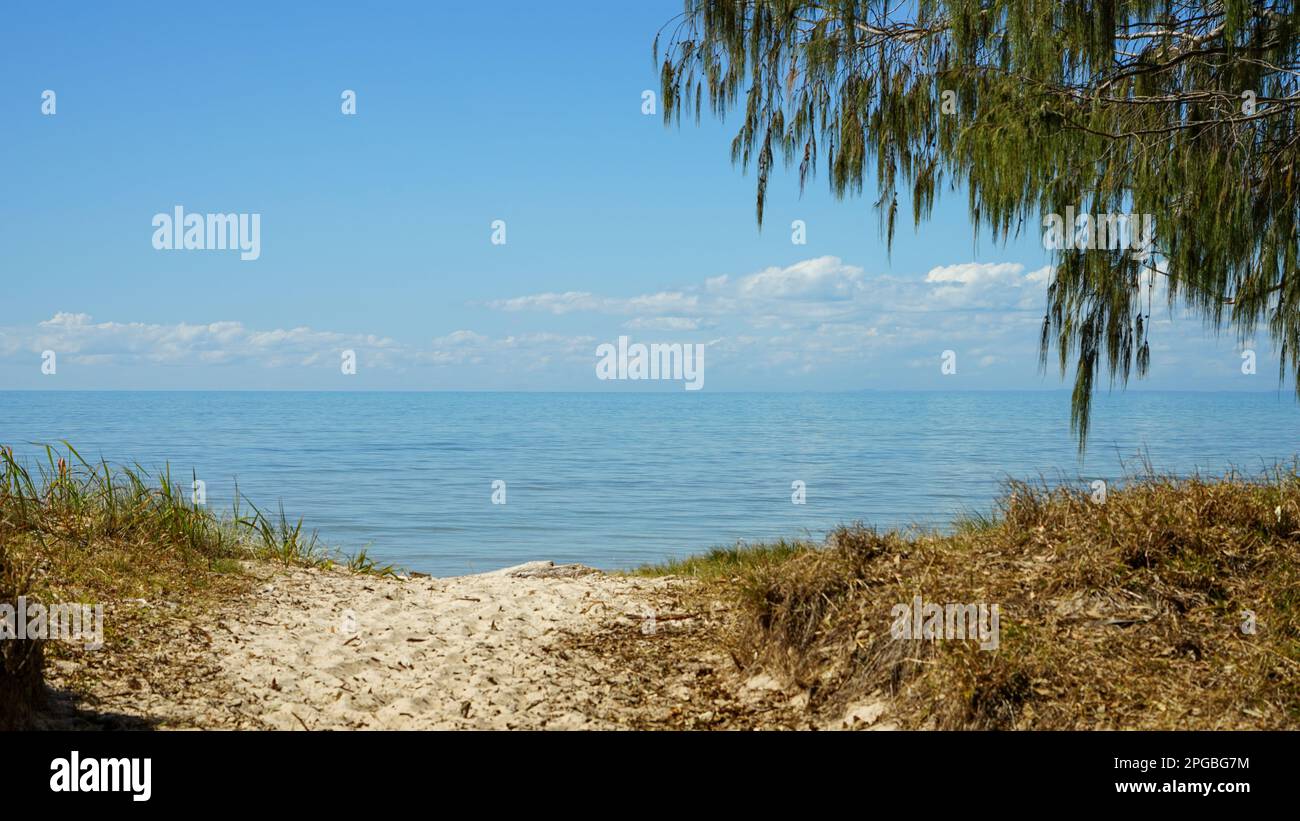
(618, 479)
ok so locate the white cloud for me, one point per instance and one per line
(807, 293)
(572, 301)
(823, 278)
(663, 323)
(822, 312)
(986, 286)
(104, 344)
(88, 342)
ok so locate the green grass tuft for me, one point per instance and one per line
(727, 562)
(72, 531)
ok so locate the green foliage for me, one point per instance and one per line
(362, 562)
(1106, 106)
(67, 507)
(726, 562)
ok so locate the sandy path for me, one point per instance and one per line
(538, 646)
(531, 647)
(336, 650)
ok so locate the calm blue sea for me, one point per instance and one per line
(616, 480)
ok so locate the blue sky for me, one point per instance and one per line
(376, 228)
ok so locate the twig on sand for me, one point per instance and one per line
(666, 617)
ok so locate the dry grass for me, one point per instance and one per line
(76, 532)
(1124, 615)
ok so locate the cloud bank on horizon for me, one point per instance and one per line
(819, 324)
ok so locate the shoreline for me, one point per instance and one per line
(1166, 603)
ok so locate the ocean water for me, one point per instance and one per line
(618, 479)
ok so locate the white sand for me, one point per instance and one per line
(530, 647)
(322, 650)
